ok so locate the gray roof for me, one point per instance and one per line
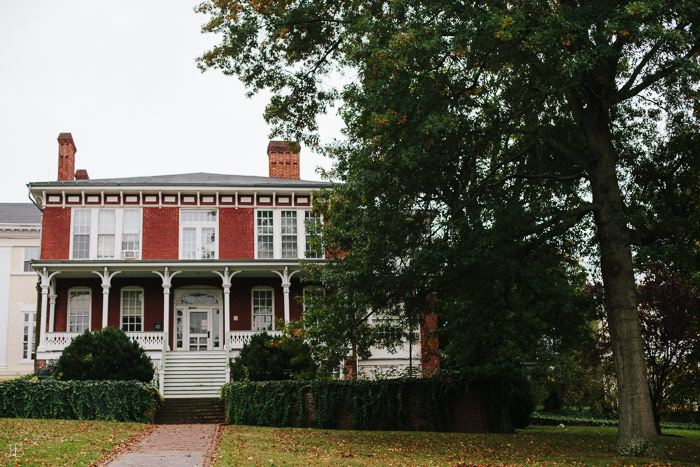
(193, 179)
(19, 213)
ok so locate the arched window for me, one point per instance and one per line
(263, 308)
(132, 309)
(79, 309)
(198, 298)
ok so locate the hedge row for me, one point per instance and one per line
(396, 404)
(124, 401)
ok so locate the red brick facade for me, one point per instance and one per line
(161, 230)
(55, 233)
(66, 157)
(236, 233)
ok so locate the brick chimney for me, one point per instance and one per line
(284, 159)
(66, 157)
(81, 174)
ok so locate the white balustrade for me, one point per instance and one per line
(237, 339)
(148, 340)
(57, 341)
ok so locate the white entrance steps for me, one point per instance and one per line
(194, 374)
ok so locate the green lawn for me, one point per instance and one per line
(550, 446)
(60, 442)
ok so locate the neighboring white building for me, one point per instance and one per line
(20, 226)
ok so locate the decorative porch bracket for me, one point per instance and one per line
(286, 284)
(106, 277)
(167, 277)
(226, 277)
(45, 284)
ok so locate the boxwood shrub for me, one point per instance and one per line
(124, 401)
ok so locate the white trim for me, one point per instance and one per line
(132, 288)
(68, 307)
(215, 293)
(31, 335)
(252, 315)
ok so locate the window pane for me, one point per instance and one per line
(81, 234)
(265, 235)
(208, 243)
(78, 311)
(289, 234)
(312, 225)
(189, 242)
(132, 310)
(131, 230)
(29, 255)
(262, 310)
(105, 233)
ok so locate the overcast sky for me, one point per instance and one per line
(121, 77)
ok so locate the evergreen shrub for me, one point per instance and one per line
(123, 401)
(273, 358)
(107, 354)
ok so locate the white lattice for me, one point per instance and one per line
(237, 339)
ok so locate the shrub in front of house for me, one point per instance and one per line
(107, 354)
(268, 358)
(123, 401)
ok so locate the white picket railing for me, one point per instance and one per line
(57, 341)
(237, 339)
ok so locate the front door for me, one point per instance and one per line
(200, 329)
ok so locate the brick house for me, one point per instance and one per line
(189, 265)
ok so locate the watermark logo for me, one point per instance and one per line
(15, 450)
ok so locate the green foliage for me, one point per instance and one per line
(268, 358)
(585, 418)
(107, 354)
(78, 400)
(375, 404)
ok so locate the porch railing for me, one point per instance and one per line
(237, 339)
(57, 341)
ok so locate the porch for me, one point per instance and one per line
(191, 319)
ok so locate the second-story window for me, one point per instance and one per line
(265, 235)
(81, 233)
(198, 234)
(28, 254)
(106, 223)
(106, 233)
(285, 234)
(289, 234)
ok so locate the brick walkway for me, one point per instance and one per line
(171, 446)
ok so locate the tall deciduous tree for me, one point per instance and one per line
(450, 104)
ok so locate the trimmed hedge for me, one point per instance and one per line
(123, 401)
(395, 404)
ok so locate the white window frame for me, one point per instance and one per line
(29, 325)
(118, 231)
(25, 260)
(131, 288)
(198, 226)
(277, 231)
(68, 308)
(252, 306)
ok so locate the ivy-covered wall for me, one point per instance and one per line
(124, 401)
(463, 404)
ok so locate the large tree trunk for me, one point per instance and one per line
(637, 431)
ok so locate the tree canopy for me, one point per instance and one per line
(483, 140)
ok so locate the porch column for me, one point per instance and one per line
(286, 284)
(52, 305)
(45, 284)
(166, 276)
(226, 284)
(106, 285)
